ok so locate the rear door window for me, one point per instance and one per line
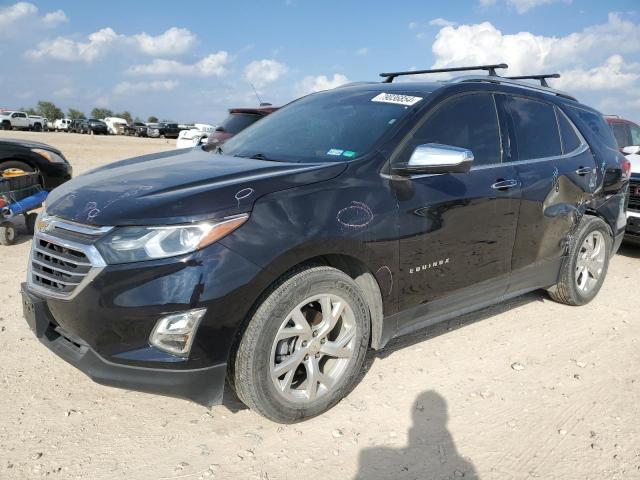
(536, 129)
(468, 121)
(568, 135)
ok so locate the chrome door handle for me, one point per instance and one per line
(584, 171)
(505, 184)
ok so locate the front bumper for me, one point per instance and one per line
(203, 385)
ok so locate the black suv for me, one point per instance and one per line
(342, 220)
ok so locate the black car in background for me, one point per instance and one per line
(77, 125)
(137, 129)
(35, 157)
(97, 127)
(163, 130)
(344, 219)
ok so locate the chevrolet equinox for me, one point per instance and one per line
(344, 219)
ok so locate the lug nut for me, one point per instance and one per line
(314, 333)
(306, 357)
(323, 341)
(304, 344)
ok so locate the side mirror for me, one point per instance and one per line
(436, 158)
(632, 150)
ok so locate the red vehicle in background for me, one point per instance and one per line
(238, 120)
(627, 134)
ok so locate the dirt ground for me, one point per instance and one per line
(527, 389)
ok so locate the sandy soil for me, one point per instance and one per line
(444, 404)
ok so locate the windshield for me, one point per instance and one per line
(5, 114)
(336, 125)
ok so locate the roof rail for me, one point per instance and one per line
(389, 76)
(542, 78)
(516, 83)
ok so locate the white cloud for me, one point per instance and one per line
(441, 22)
(613, 74)
(172, 42)
(54, 18)
(22, 15)
(211, 65)
(362, 51)
(528, 53)
(318, 83)
(127, 88)
(16, 12)
(263, 72)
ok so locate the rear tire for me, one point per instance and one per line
(585, 267)
(295, 360)
(7, 234)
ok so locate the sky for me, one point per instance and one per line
(191, 61)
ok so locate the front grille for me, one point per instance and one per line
(58, 268)
(634, 195)
(63, 257)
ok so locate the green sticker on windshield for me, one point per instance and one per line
(349, 153)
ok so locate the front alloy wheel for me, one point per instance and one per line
(304, 346)
(313, 347)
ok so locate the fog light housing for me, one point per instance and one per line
(174, 333)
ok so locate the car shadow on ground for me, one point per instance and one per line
(629, 250)
(431, 452)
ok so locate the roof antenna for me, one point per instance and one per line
(256, 92)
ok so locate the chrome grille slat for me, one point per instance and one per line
(634, 200)
(60, 267)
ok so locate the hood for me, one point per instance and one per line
(10, 142)
(177, 187)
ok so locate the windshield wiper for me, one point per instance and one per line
(260, 156)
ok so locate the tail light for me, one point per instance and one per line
(625, 165)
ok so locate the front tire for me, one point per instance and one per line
(304, 346)
(585, 267)
(7, 234)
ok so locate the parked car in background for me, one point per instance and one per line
(345, 219)
(35, 157)
(163, 130)
(38, 123)
(62, 124)
(13, 120)
(194, 136)
(115, 125)
(94, 126)
(137, 129)
(237, 120)
(77, 125)
(627, 134)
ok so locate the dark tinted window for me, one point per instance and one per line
(621, 132)
(598, 126)
(570, 140)
(536, 129)
(468, 121)
(236, 122)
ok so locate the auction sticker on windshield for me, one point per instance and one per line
(406, 100)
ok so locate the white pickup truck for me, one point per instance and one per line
(10, 120)
(62, 124)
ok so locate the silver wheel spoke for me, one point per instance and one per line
(313, 377)
(590, 262)
(339, 348)
(289, 364)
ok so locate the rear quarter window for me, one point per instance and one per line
(597, 126)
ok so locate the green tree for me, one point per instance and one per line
(152, 119)
(29, 111)
(137, 119)
(126, 115)
(101, 113)
(74, 114)
(49, 110)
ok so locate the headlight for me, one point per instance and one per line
(137, 244)
(49, 155)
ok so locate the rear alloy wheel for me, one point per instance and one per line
(585, 267)
(7, 233)
(304, 347)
